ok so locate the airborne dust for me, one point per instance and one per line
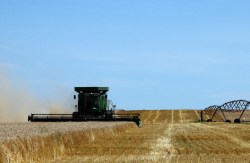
(17, 101)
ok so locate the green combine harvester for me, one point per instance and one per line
(93, 105)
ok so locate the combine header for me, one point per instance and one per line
(93, 105)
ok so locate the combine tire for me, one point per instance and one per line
(237, 121)
(229, 121)
(209, 120)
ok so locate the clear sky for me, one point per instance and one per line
(153, 54)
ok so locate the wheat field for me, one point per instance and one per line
(166, 136)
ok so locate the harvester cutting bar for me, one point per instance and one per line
(126, 115)
(69, 117)
(49, 117)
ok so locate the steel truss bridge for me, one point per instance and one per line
(228, 107)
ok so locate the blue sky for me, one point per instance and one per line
(152, 54)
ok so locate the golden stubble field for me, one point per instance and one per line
(166, 136)
(170, 136)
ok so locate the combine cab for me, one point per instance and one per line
(93, 105)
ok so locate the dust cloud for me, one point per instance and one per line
(17, 101)
(62, 102)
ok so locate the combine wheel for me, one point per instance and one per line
(209, 120)
(237, 121)
(229, 121)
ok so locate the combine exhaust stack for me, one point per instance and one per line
(93, 105)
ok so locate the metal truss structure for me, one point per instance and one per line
(228, 107)
(210, 111)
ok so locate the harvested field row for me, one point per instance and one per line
(198, 142)
(11, 131)
(174, 141)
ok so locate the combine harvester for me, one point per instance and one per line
(93, 105)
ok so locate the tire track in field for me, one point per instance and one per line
(149, 115)
(172, 116)
(172, 149)
(156, 116)
(152, 117)
(163, 149)
(180, 114)
(197, 113)
(176, 116)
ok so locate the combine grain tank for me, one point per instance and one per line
(93, 105)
